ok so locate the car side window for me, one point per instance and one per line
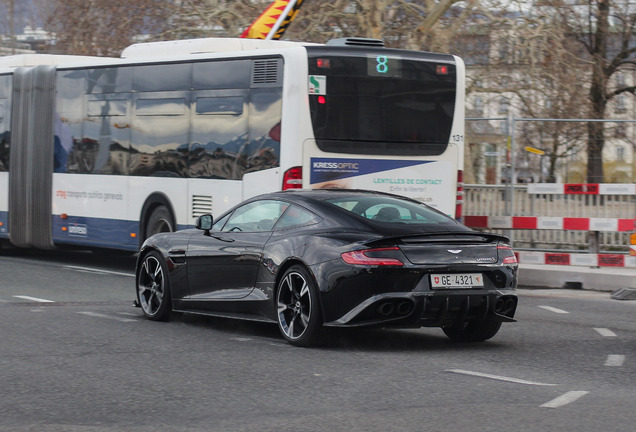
(296, 216)
(256, 216)
(218, 224)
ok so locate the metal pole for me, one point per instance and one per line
(513, 175)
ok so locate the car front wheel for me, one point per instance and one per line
(153, 287)
(298, 308)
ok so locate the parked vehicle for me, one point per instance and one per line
(311, 258)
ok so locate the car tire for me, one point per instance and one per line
(473, 331)
(153, 287)
(298, 308)
(160, 220)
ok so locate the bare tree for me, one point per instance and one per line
(104, 28)
(606, 31)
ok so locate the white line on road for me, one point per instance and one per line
(615, 360)
(96, 270)
(564, 399)
(35, 299)
(98, 315)
(553, 309)
(497, 377)
(605, 332)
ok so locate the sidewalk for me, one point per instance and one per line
(560, 276)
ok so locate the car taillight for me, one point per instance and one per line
(508, 254)
(459, 203)
(362, 257)
(293, 178)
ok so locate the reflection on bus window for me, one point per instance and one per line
(219, 139)
(198, 119)
(220, 105)
(160, 135)
(263, 150)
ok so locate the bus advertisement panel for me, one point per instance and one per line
(424, 181)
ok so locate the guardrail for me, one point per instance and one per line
(569, 217)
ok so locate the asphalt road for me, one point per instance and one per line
(76, 356)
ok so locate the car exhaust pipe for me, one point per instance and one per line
(404, 308)
(505, 306)
(500, 306)
(510, 306)
(386, 308)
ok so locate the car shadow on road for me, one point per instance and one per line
(344, 339)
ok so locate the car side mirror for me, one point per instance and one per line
(204, 222)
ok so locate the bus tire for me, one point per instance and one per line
(160, 220)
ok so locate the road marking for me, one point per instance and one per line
(98, 315)
(497, 377)
(35, 299)
(564, 399)
(95, 270)
(605, 332)
(128, 314)
(553, 309)
(615, 360)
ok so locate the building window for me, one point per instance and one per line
(478, 105)
(620, 132)
(504, 105)
(620, 154)
(621, 105)
(620, 80)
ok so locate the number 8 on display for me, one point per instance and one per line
(382, 66)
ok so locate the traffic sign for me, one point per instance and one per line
(534, 150)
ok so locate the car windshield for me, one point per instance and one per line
(390, 210)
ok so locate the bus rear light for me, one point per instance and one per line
(322, 100)
(442, 70)
(323, 63)
(293, 178)
(63, 216)
(459, 203)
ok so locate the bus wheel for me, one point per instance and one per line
(160, 220)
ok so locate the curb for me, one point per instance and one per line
(557, 276)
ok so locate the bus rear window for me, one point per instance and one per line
(381, 103)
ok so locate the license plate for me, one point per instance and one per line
(457, 280)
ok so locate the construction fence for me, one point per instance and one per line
(596, 218)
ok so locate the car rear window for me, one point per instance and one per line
(390, 210)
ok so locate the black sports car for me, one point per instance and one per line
(312, 258)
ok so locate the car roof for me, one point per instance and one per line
(335, 193)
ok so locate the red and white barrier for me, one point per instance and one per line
(582, 188)
(576, 259)
(554, 223)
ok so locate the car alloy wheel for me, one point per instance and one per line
(153, 292)
(298, 308)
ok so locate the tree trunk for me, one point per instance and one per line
(598, 96)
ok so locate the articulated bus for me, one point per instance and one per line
(104, 152)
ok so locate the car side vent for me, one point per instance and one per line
(266, 72)
(201, 204)
(366, 42)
